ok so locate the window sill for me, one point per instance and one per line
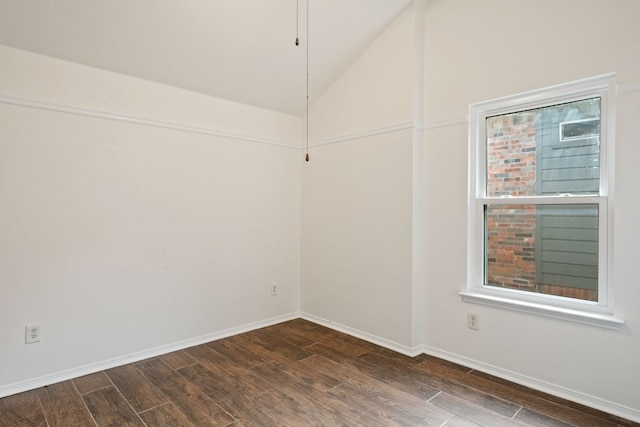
(592, 319)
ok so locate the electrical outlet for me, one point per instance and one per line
(473, 321)
(274, 289)
(32, 333)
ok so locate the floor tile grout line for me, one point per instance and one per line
(434, 396)
(44, 414)
(84, 403)
(177, 371)
(128, 403)
(517, 412)
(92, 391)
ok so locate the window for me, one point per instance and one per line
(540, 202)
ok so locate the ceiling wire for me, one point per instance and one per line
(307, 155)
(307, 65)
(297, 19)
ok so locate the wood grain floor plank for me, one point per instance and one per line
(533, 402)
(379, 391)
(110, 409)
(290, 334)
(453, 388)
(347, 344)
(295, 410)
(303, 324)
(291, 365)
(186, 396)
(558, 400)
(306, 374)
(236, 353)
(264, 352)
(228, 372)
(22, 410)
(166, 415)
(278, 345)
(63, 406)
(136, 388)
(397, 376)
(334, 410)
(529, 417)
(92, 382)
(443, 370)
(310, 401)
(296, 373)
(459, 422)
(210, 384)
(428, 359)
(381, 410)
(309, 331)
(473, 413)
(337, 356)
(391, 358)
(245, 409)
(309, 376)
(178, 359)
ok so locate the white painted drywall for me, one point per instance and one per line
(482, 50)
(101, 216)
(473, 51)
(356, 202)
(375, 92)
(122, 237)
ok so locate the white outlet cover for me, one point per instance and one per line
(32, 333)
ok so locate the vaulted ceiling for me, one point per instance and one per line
(242, 50)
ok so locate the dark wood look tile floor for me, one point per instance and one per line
(295, 373)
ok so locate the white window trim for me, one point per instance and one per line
(587, 312)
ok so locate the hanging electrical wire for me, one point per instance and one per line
(297, 19)
(307, 71)
(307, 115)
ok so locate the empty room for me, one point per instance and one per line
(319, 212)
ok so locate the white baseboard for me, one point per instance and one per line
(574, 396)
(543, 386)
(34, 383)
(399, 348)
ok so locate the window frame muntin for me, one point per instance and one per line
(602, 87)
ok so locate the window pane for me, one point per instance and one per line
(545, 151)
(549, 249)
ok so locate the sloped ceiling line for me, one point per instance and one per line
(240, 50)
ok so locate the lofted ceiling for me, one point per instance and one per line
(242, 50)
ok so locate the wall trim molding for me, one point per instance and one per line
(91, 368)
(79, 111)
(623, 88)
(546, 387)
(389, 129)
(363, 134)
(629, 87)
(446, 123)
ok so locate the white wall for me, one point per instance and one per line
(356, 202)
(473, 51)
(154, 225)
(119, 227)
(482, 50)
